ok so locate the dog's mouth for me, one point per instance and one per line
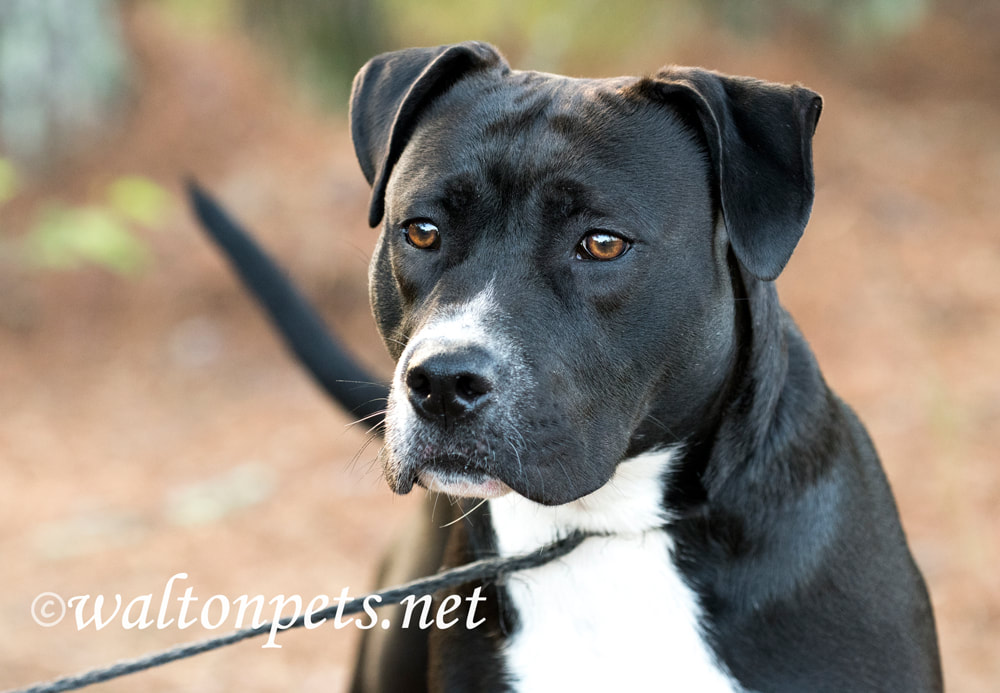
(462, 484)
(454, 475)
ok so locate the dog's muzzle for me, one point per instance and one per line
(444, 419)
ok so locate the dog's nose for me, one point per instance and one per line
(449, 385)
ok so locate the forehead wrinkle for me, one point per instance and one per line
(522, 141)
(565, 198)
(459, 192)
(525, 159)
(515, 124)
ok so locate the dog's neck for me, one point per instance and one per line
(779, 404)
(561, 611)
(630, 504)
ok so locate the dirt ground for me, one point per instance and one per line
(154, 425)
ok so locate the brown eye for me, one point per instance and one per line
(602, 246)
(422, 235)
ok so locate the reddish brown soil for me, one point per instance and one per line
(154, 426)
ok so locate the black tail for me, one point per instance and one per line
(297, 321)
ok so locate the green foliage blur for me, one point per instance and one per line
(8, 180)
(106, 233)
(71, 237)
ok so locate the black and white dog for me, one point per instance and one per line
(575, 279)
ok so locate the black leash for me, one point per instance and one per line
(487, 569)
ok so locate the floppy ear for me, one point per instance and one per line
(388, 95)
(759, 139)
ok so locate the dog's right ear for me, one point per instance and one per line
(388, 95)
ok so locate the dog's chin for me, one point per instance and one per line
(459, 483)
(462, 485)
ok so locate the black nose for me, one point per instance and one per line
(449, 385)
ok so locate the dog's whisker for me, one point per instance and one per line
(565, 471)
(434, 506)
(370, 438)
(517, 456)
(520, 437)
(363, 382)
(373, 415)
(378, 428)
(465, 514)
(663, 427)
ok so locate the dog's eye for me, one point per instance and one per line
(601, 246)
(422, 234)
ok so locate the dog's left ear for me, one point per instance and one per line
(759, 137)
(390, 92)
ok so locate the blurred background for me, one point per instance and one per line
(151, 423)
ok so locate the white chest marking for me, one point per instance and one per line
(615, 614)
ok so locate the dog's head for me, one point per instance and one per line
(555, 272)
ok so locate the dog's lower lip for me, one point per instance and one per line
(462, 485)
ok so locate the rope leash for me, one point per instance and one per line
(487, 569)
